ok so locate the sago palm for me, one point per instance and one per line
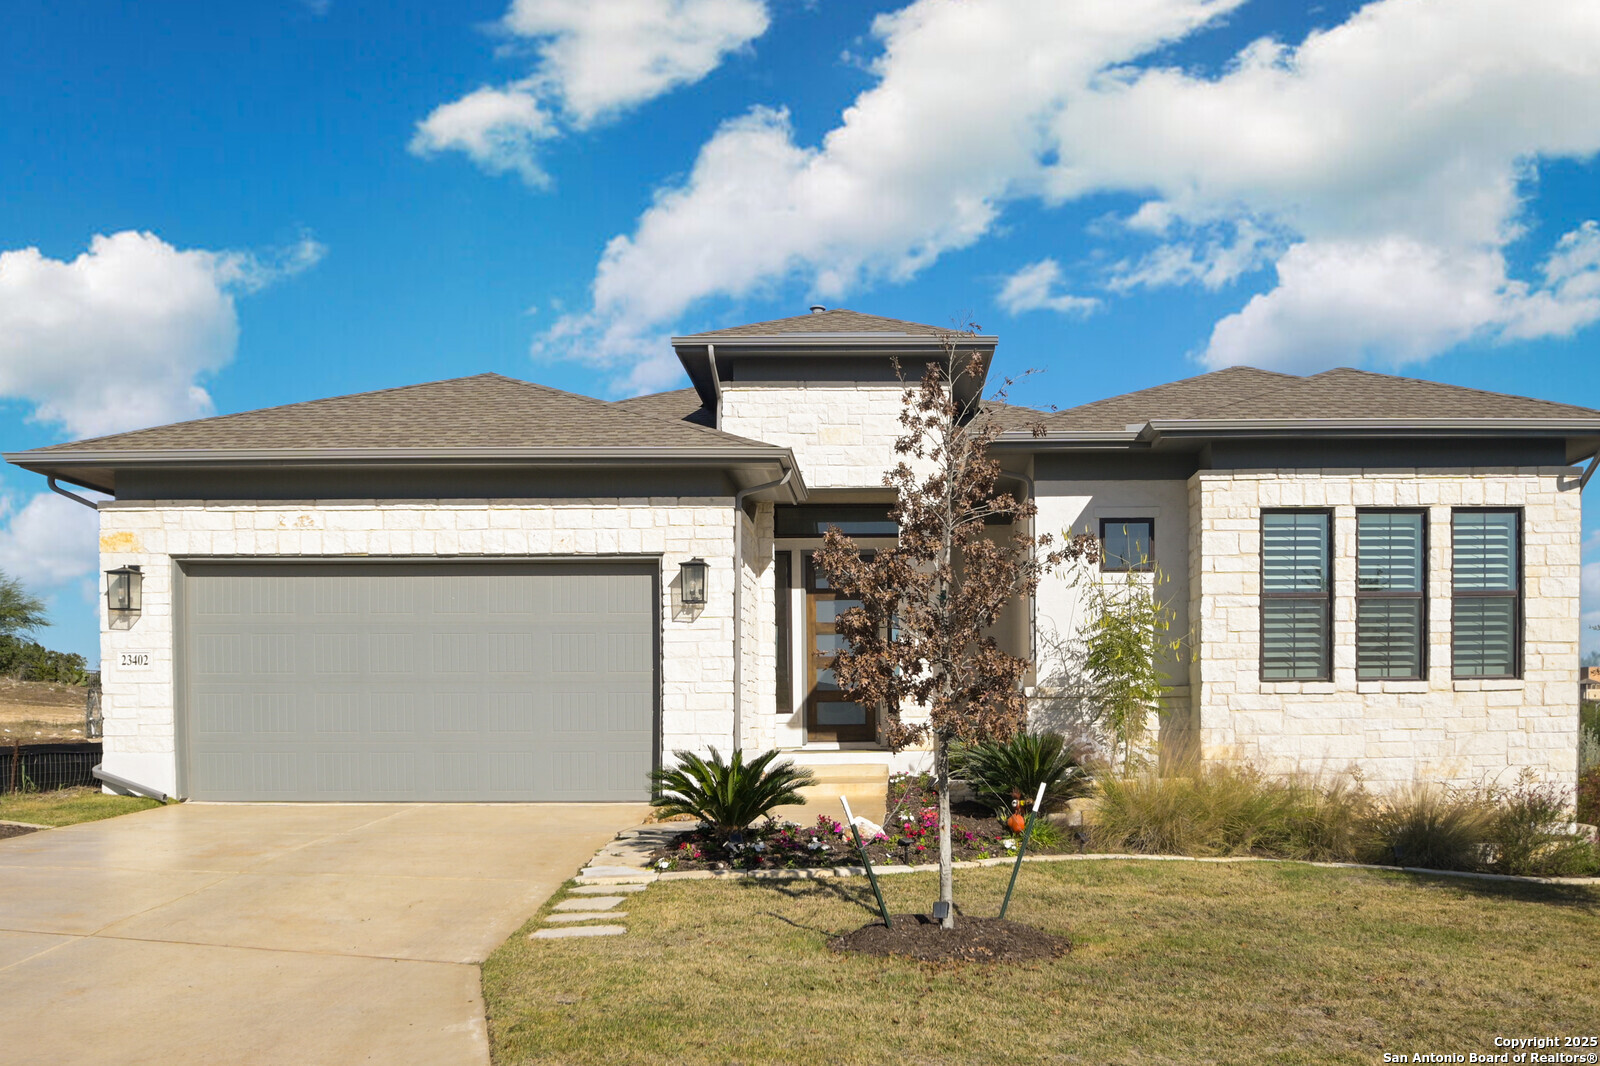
(727, 795)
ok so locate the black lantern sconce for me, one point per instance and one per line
(693, 574)
(124, 596)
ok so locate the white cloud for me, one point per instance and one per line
(122, 335)
(1398, 139)
(1033, 288)
(594, 61)
(500, 129)
(48, 542)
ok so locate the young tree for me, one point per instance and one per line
(919, 642)
(1128, 643)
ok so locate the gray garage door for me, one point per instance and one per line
(419, 682)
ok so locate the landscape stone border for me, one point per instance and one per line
(648, 876)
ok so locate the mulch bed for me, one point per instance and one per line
(8, 830)
(916, 936)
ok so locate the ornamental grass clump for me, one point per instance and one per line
(999, 770)
(1428, 825)
(727, 795)
(1220, 811)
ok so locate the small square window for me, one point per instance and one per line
(1127, 544)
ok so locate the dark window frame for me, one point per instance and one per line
(1420, 595)
(1518, 615)
(1132, 568)
(1261, 601)
(783, 626)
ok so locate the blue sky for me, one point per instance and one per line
(208, 208)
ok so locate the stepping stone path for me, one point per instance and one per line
(619, 870)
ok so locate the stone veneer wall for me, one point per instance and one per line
(842, 433)
(758, 607)
(1463, 732)
(697, 649)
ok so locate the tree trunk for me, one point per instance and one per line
(947, 885)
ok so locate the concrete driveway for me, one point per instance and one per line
(274, 933)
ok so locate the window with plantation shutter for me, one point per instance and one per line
(1296, 596)
(1391, 595)
(1486, 593)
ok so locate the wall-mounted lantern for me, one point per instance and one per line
(693, 574)
(124, 596)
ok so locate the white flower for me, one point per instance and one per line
(816, 845)
(760, 845)
(1011, 845)
(664, 863)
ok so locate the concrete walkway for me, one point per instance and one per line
(274, 933)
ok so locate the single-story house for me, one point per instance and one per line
(485, 589)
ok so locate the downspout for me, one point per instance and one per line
(716, 386)
(129, 786)
(738, 601)
(74, 497)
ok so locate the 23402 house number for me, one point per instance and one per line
(133, 660)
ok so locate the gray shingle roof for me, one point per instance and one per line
(483, 411)
(679, 405)
(1244, 394)
(836, 321)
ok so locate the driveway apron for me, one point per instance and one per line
(274, 933)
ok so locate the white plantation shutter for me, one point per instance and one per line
(1294, 551)
(1486, 576)
(1296, 590)
(1391, 569)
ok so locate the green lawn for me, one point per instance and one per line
(1174, 962)
(68, 806)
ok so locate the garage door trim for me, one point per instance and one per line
(185, 568)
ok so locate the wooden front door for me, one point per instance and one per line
(830, 715)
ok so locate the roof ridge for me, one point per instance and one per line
(280, 407)
(1171, 384)
(1448, 385)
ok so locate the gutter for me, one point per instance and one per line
(738, 601)
(660, 454)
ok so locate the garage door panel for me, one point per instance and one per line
(382, 683)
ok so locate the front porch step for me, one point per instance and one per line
(865, 785)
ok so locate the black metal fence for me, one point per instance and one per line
(47, 767)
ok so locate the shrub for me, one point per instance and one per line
(1430, 826)
(29, 661)
(998, 771)
(727, 795)
(1528, 834)
(1589, 796)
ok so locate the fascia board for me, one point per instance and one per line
(832, 340)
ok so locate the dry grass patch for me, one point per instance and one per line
(1171, 962)
(68, 806)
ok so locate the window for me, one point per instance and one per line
(782, 578)
(1391, 595)
(1127, 544)
(853, 520)
(1296, 596)
(1486, 593)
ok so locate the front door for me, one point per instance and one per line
(830, 715)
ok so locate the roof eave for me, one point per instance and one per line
(836, 340)
(65, 464)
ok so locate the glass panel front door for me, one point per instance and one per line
(829, 714)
